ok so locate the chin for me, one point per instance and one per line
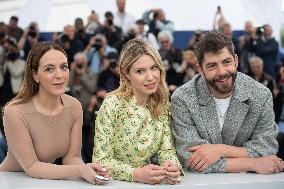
(58, 93)
(151, 91)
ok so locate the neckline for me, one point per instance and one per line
(133, 101)
(43, 114)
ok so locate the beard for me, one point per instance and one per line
(225, 89)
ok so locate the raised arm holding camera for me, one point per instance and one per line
(96, 49)
(29, 38)
(112, 32)
(12, 71)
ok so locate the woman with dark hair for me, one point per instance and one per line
(42, 123)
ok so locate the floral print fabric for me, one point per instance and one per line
(126, 137)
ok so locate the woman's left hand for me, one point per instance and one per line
(173, 172)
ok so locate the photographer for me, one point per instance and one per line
(72, 45)
(130, 34)
(188, 58)
(195, 39)
(13, 29)
(93, 24)
(218, 20)
(112, 32)
(267, 49)
(109, 77)
(30, 38)
(168, 50)
(156, 19)
(3, 36)
(143, 34)
(80, 33)
(12, 70)
(82, 84)
(96, 49)
(247, 47)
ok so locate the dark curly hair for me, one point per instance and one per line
(213, 42)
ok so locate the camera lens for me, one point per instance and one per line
(79, 66)
(98, 44)
(112, 63)
(110, 22)
(32, 34)
(32, 27)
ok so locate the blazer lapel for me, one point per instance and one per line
(237, 111)
(211, 123)
(209, 117)
(235, 116)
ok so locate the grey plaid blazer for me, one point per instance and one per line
(249, 120)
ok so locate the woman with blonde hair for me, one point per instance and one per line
(133, 123)
(42, 123)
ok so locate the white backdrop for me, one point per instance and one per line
(52, 15)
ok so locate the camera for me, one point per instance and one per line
(79, 66)
(2, 35)
(218, 8)
(112, 63)
(98, 44)
(32, 32)
(110, 22)
(131, 35)
(64, 38)
(259, 31)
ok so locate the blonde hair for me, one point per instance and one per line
(131, 52)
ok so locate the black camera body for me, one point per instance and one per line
(110, 22)
(79, 66)
(259, 31)
(32, 32)
(112, 64)
(98, 44)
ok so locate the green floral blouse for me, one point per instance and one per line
(126, 137)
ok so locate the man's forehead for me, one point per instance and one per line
(220, 53)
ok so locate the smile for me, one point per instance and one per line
(58, 84)
(150, 86)
(223, 79)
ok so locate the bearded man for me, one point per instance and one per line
(223, 120)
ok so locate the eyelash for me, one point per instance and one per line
(141, 71)
(64, 68)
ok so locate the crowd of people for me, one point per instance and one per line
(226, 93)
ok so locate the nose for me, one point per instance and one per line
(58, 73)
(221, 69)
(149, 75)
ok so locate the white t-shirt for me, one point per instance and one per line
(221, 107)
